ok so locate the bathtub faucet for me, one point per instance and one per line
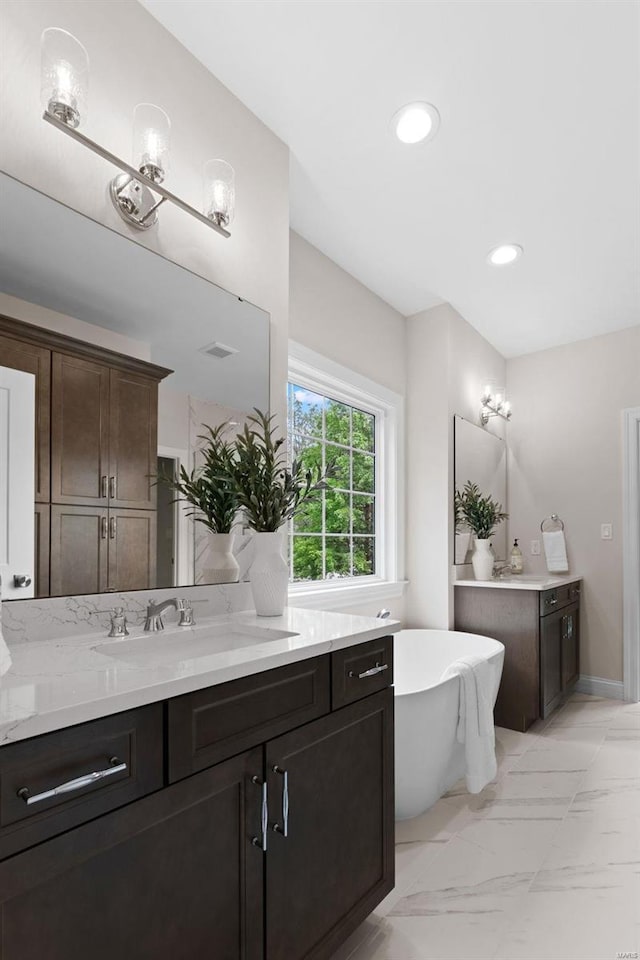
(383, 614)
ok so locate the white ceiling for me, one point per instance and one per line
(538, 145)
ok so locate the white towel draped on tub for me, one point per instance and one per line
(475, 722)
(555, 550)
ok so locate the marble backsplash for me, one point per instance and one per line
(56, 617)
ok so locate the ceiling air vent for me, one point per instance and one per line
(219, 350)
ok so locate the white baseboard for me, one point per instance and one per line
(599, 687)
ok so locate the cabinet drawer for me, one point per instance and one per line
(210, 725)
(34, 767)
(558, 597)
(358, 671)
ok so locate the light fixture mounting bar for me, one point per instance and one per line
(135, 174)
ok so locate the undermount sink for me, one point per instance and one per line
(177, 645)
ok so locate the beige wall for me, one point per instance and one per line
(448, 363)
(134, 59)
(565, 457)
(335, 315)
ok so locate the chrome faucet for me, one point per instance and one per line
(153, 621)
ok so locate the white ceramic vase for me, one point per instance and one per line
(222, 566)
(482, 559)
(269, 575)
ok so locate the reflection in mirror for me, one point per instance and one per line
(125, 356)
(480, 457)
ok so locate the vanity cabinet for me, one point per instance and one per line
(96, 458)
(276, 852)
(540, 630)
(174, 875)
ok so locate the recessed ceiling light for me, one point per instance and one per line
(504, 254)
(416, 122)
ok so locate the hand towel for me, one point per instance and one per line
(475, 719)
(555, 550)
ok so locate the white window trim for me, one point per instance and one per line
(327, 377)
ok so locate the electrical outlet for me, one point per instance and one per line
(535, 548)
(606, 531)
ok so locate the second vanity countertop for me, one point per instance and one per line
(48, 685)
(522, 581)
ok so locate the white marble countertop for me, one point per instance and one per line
(522, 582)
(46, 685)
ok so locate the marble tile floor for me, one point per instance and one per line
(544, 864)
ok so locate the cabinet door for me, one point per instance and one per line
(336, 862)
(570, 647)
(79, 432)
(79, 543)
(173, 876)
(133, 440)
(37, 360)
(132, 549)
(550, 662)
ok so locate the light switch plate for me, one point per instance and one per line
(606, 531)
(535, 548)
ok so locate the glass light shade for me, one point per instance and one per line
(151, 135)
(219, 192)
(64, 77)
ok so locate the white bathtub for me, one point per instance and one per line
(429, 759)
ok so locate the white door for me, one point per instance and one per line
(17, 482)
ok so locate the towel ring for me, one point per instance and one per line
(555, 519)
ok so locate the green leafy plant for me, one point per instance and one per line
(210, 489)
(268, 490)
(481, 514)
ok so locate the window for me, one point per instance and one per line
(333, 536)
(349, 541)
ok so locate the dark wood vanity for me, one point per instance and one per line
(96, 456)
(253, 821)
(540, 630)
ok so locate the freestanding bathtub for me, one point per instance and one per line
(429, 759)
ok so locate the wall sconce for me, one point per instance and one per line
(494, 404)
(138, 192)
(136, 203)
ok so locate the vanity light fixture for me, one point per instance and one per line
(416, 122)
(138, 192)
(493, 404)
(505, 254)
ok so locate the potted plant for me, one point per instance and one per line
(482, 514)
(211, 492)
(269, 492)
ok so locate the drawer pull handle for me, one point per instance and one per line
(551, 601)
(284, 829)
(103, 489)
(379, 668)
(261, 841)
(112, 488)
(71, 785)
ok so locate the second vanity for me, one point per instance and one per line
(538, 621)
(234, 800)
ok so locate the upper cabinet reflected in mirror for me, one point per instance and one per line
(111, 360)
(480, 457)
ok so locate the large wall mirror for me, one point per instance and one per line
(481, 457)
(112, 358)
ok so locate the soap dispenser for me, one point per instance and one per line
(517, 560)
